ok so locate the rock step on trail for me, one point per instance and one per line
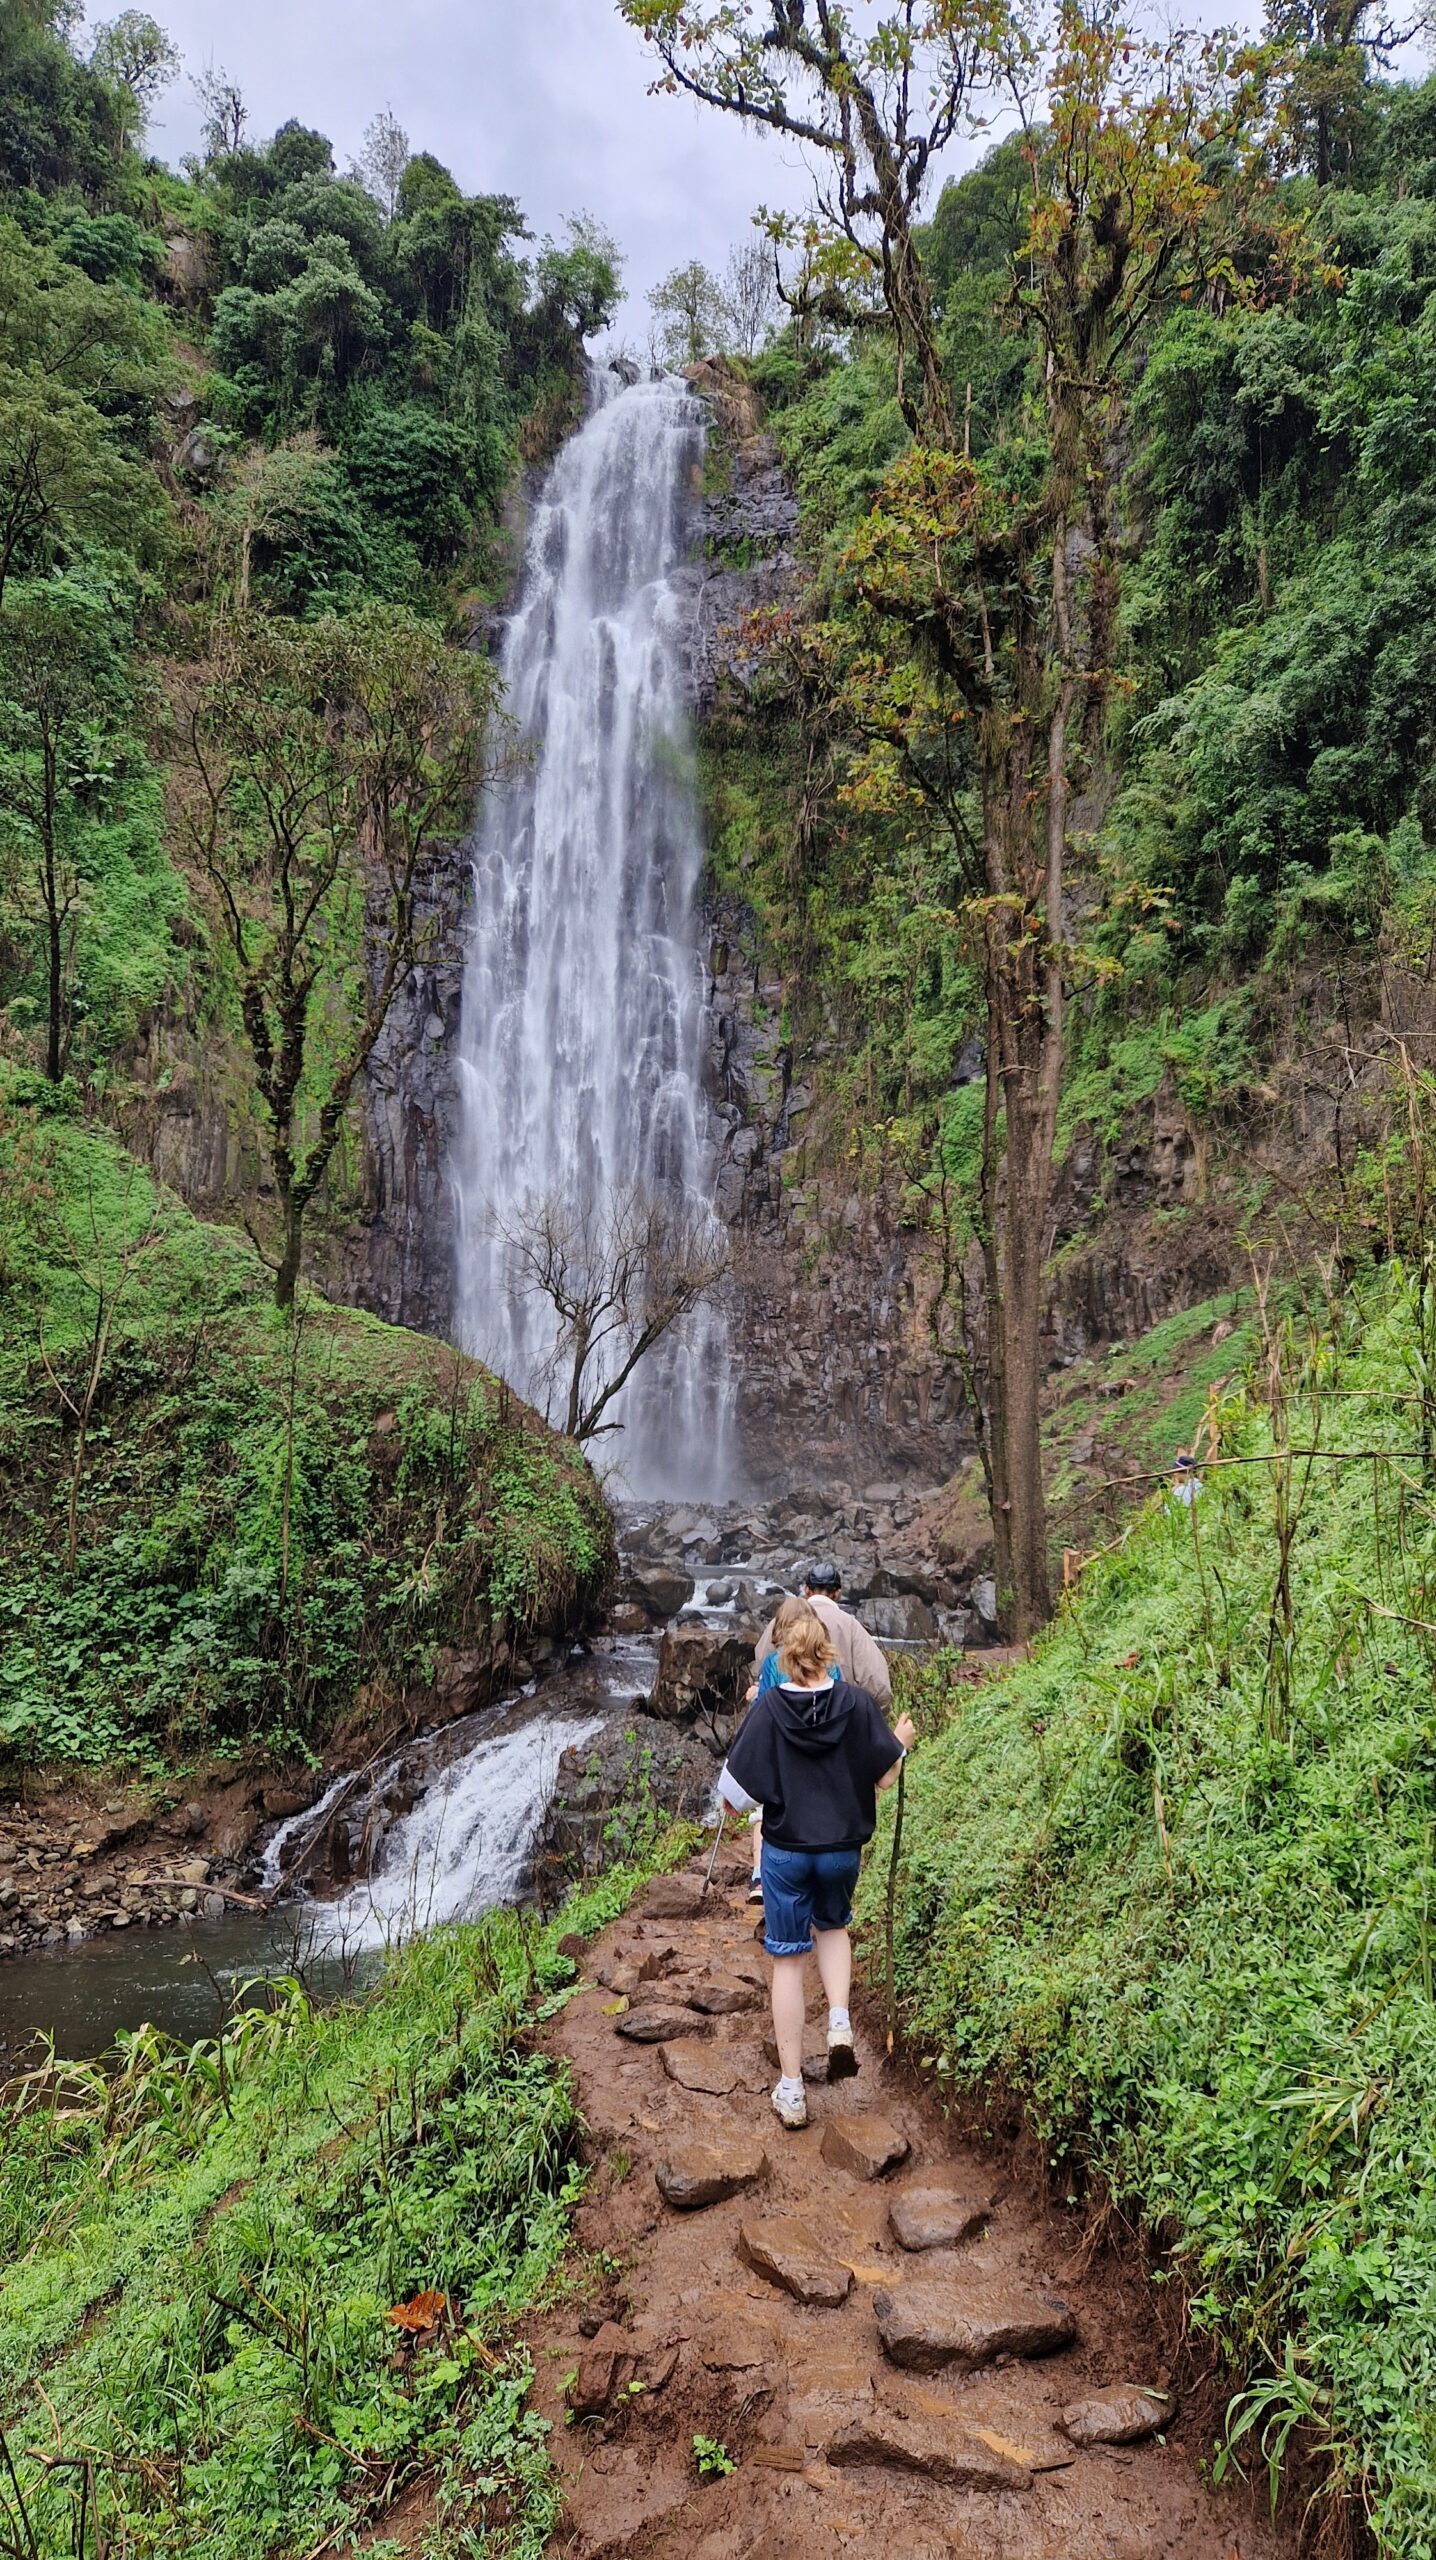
(880, 2325)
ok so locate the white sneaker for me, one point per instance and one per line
(790, 2105)
(842, 2060)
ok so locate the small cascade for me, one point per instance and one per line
(582, 1004)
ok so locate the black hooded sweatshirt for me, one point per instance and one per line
(812, 1759)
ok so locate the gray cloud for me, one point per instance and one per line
(545, 100)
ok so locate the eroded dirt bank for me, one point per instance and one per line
(875, 2394)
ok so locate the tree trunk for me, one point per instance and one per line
(286, 1278)
(54, 931)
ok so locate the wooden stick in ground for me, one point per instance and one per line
(717, 1845)
(892, 1899)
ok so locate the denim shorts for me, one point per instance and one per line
(804, 1890)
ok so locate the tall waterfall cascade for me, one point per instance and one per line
(581, 1036)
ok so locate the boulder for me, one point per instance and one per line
(927, 2325)
(934, 2218)
(724, 1997)
(660, 1590)
(653, 2024)
(865, 2144)
(906, 1620)
(702, 1671)
(1124, 2416)
(672, 1898)
(788, 2254)
(693, 2175)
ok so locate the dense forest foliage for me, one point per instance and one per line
(259, 385)
(258, 423)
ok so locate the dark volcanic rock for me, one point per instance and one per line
(702, 1671)
(936, 2448)
(934, 2218)
(654, 2025)
(722, 1997)
(867, 2144)
(789, 2254)
(695, 2174)
(1116, 2417)
(659, 1589)
(927, 2325)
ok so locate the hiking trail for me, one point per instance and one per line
(884, 2327)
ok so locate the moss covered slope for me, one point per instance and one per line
(277, 1526)
(1172, 1880)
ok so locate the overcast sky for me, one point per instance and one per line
(545, 100)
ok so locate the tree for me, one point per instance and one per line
(66, 345)
(618, 1274)
(690, 317)
(581, 284)
(135, 58)
(226, 117)
(750, 296)
(986, 589)
(384, 159)
(57, 660)
(320, 764)
(1331, 47)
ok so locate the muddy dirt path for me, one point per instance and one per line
(888, 2332)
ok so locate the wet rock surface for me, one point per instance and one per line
(692, 2175)
(789, 2254)
(1128, 2416)
(935, 2218)
(939, 2449)
(864, 2143)
(929, 2323)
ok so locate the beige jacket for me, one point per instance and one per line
(858, 1657)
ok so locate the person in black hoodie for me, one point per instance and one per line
(814, 1753)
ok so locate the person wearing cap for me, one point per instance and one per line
(1186, 1483)
(859, 1660)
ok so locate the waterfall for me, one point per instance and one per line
(582, 999)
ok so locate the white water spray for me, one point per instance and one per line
(582, 997)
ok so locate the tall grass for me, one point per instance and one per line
(1173, 1880)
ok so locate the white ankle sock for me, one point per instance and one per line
(788, 2088)
(838, 2018)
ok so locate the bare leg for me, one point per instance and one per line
(835, 1964)
(789, 2006)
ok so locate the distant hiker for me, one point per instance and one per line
(813, 1756)
(1186, 1483)
(854, 1651)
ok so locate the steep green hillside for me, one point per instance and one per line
(1172, 1883)
(225, 1532)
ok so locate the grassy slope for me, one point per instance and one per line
(278, 1525)
(201, 2286)
(1183, 1903)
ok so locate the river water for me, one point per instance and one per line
(581, 1035)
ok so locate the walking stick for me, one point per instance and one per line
(717, 1845)
(892, 1897)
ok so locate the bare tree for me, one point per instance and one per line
(225, 114)
(750, 291)
(619, 1275)
(382, 162)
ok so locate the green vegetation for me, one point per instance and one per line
(226, 1531)
(255, 2288)
(1171, 1882)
